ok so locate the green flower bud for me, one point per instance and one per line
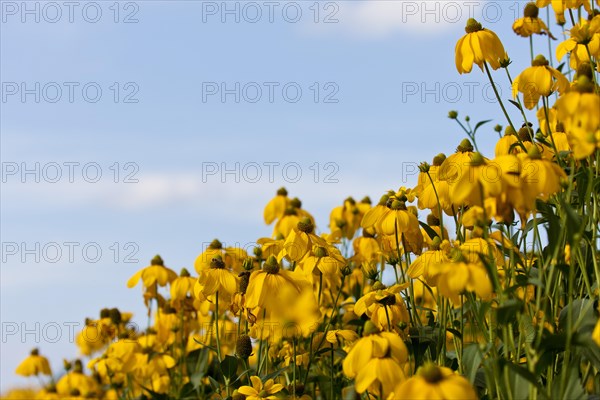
(473, 26)
(271, 266)
(439, 159)
(215, 244)
(157, 260)
(465, 146)
(540, 61)
(477, 159)
(370, 328)
(305, 225)
(431, 372)
(321, 252)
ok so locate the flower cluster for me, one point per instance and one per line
(480, 281)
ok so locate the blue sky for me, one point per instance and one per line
(376, 84)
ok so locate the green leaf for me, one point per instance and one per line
(589, 348)
(573, 388)
(229, 367)
(582, 313)
(481, 123)
(215, 385)
(519, 376)
(273, 375)
(508, 311)
(472, 357)
(514, 103)
(430, 232)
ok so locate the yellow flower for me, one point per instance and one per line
(559, 7)
(275, 208)
(460, 275)
(366, 250)
(376, 362)
(292, 215)
(507, 144)
(596, 333)
(233, 257)
(435, 383)
(216, 279)
(182, 285)
(585, 37)
(270, 247)
(338, 336)
(541, 178)
(345, 220)
(34, 364)
(578, 112)
(429, 194)
(384, 306)
(398, 219)
(539, 80)
(75, 381)
(422, 266)
(530, 23)
(478, 180)
(271, 286)
(155, 273)
(327, 259)
(478, 46)
(259, 391)
(301, 239)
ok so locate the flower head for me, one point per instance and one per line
(478, 46)
(259, 391)
(34, 364)
(539, 80)
(435, 383)
(530, 24)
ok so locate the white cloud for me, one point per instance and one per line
(180, 189)
(381, 18)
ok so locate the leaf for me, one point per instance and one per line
(481, 123)
(472, 357)
(229, 367)
(582, 314)
(508, 310)
(430, 232)
(273, 375)
(526, 328)
(589, 348)
(521, 389)
(514, 103)
(573, 389)
(215, 385)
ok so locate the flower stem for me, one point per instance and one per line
(487, 70)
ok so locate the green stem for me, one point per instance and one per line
(487, 70)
